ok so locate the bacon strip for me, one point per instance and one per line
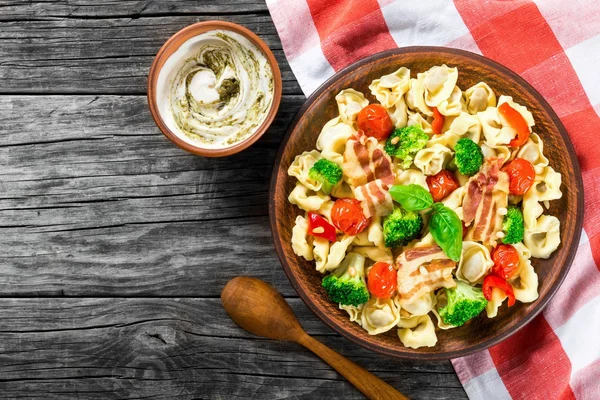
(486, 193)
(414, 281)
(375, 198)
(370, 171)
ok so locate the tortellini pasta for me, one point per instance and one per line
(336, 253)
(439, 82)
(300, 243)
(417, 332)
(525, 281)
(354, 313)
(302, 165)
(547, 185)
(432, 160)
(375, 232)
(494, 132)
(463, 126)
(415, 97)
(479, 97)
(380, 315)
(350, 102)
(533, 151)
(375, 253)
(543, 239)
(302, 197)
(411, 176)
(421, 306)
(389, 89)
(498, 297)
(332, 140)
(475, 263)
(453, 105)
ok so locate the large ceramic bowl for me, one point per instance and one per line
(320, 107)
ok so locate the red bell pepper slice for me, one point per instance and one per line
(492, 281)
(438, 121)
(319, 227)
(517, 122)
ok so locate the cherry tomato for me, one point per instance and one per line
(520, 174)
(506, 260)
(492, 281)
(375, 121)
(442, 184)
(438, 121)
(320, 227)
(517, 122)
(347, 215)
(382, 280)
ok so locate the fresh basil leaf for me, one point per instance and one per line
(411, 197)
(446, 229)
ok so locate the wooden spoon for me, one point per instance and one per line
(258, 308)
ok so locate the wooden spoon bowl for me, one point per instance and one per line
(320, 107)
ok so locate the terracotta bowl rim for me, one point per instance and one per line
(170, 46)
(330, 320)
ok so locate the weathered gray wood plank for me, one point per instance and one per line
(95, 201)
(179, 349)
(29, 10)
(112, 55)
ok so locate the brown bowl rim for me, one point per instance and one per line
(330, 320)
(171, 45)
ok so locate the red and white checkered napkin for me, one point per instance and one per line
(553, 44)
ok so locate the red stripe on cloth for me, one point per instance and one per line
(581, 285)
(591, 222)
(583, 128)
(519, 39)
(532, 361)
(350, 29)
(557, 81)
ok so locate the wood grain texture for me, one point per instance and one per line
(180, 349)
(260, 309)
(34, 10)
(481, 332)
(94, 201)
(108, 55)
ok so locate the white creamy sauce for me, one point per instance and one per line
(215, 90)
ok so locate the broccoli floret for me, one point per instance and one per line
(469, 157)
(463, 303)
(404, 143)
(401, 226)
(513, 226)
(327, 173)
(346, 285)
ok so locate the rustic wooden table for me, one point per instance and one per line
(115, 244)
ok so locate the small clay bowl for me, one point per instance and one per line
(171, 46)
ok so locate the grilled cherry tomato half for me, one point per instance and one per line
(375, 121)
(491, 281)
(517, 122)
(438, 121)
(382, 280)
(319, 227)
(520, 174)
(506, 261)
(347, 215)
(441, 184)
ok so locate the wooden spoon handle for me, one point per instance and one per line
(370, 385)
